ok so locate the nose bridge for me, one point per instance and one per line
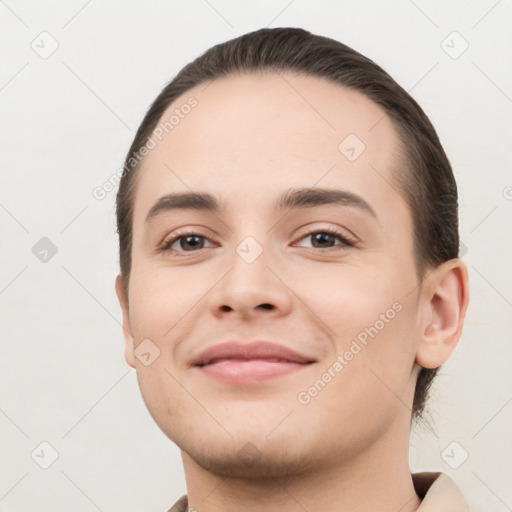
(249, 282)
(248, 264)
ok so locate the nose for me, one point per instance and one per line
(250, 289)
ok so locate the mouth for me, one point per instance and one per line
(248, 363)
(250, 370)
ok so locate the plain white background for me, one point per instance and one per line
(67, 121)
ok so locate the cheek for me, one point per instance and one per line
(350, 298)
(370, 317)
(161, 299)
(370, 375)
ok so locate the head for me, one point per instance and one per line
(374, 273)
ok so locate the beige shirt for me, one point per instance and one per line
(437, 491)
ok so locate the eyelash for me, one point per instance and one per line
(347, 241)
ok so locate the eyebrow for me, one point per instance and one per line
(292, 199)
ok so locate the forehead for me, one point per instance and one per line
(249, 135)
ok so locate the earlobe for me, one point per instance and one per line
(127, 328)
(445, 295)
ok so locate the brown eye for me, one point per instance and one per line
(323, 239)
(188, 242)
(326, 239)
(191, 242)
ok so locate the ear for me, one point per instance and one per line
(127, 328)
(444, 301)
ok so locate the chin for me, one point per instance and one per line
(250, 462)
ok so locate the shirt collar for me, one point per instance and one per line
(437, 492)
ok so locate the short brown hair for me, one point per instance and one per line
(428, 184)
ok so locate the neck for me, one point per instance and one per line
(377, 475)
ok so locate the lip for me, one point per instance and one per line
(237, 362)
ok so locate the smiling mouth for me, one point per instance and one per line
(250, 370)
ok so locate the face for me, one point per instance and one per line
(327, 277)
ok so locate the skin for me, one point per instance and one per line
(251, 138)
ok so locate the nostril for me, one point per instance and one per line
(266, 306)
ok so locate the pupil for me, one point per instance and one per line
(192, 241)
(322, 237)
